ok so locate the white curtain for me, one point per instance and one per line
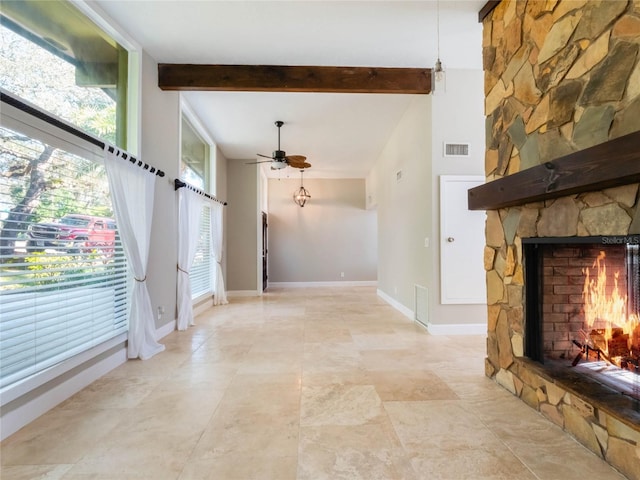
(190, 206)
(219, 293)
(132, 190)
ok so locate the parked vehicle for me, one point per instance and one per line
(74, 233)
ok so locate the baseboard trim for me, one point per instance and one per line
(373, 283)
(457, 329)
(166, 329)
(407, 312)
(13, 420)
(435, 329)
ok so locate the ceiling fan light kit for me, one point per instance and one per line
(279, 158)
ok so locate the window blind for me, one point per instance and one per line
(200, 272)
(63, 275)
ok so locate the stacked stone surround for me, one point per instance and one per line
(560, 76)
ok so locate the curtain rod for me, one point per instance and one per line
(179, 184)
(34, 112)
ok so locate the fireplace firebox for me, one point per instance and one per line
(582, 307)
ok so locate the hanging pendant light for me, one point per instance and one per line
(301, 195)
(439, 75)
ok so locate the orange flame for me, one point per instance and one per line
(605, 311)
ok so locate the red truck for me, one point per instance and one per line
(74, 233)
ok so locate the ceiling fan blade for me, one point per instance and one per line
(265, 156)
(261, 161)
(298, 161)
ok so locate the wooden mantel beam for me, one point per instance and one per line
(276, 78)
(610, 164)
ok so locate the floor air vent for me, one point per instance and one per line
(421, 304)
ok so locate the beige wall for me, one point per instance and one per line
(404, 206)
(160, 146)
(242, 226)
(332, 233)
(409, 209)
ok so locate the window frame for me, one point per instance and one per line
(187, 112)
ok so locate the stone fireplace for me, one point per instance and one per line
(562, 102)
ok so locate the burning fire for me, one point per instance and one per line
(613, 331)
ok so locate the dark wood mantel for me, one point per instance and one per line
(607, 165)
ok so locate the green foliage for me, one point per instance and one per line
(46, 80)
(58, 270)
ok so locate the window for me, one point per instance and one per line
(195, 169)
(201, 270)
(63, 274)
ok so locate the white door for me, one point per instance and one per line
(462, 241)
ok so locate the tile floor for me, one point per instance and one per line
(305, 384)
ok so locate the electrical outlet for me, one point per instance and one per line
(426, 242)
(341, 274)
(160, 312)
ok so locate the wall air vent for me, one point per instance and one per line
(456, 149)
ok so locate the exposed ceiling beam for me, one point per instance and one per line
(277, 78)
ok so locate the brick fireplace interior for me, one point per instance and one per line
(582, 309)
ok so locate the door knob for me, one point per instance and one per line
(450, 239)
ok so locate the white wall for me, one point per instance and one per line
(457, 117)
(332, 233)
(403, 206)
(409, 209)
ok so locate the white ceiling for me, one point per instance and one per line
(341, 134)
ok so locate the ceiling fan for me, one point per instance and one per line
(279, 159)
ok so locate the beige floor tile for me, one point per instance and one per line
(59, 437)
(151, 443)
(340, 405)
(112, 392)
(242, 466)
(32, 472)
(331, 357)
(439, 425)
(471, 464)
(310, 383)
(556, 455)
(322, 333)
(353, 376)
(410, 385)
(346, 452)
